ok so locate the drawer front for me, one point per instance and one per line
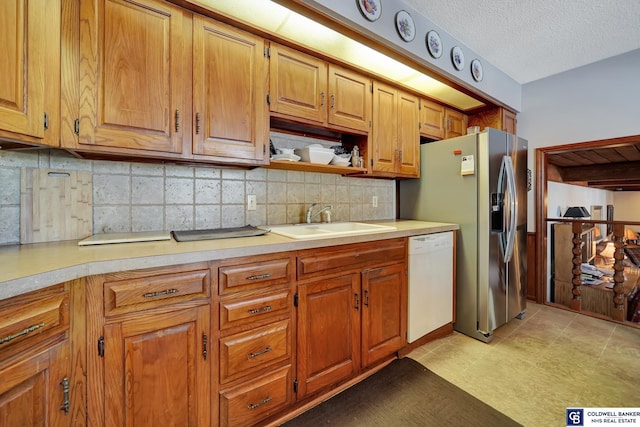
(235, 312)
(30, 322)
(127, 295)
(251, 351)
(254, 275)
(316, 262)
(253, 401)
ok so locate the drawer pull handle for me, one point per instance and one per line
(259, 404)
(258, 353)
(259, 276)
(260, 310)
(161, 293)
(357, 301)
(65, 394)
(22, 333)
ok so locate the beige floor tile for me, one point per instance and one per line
(537, 367)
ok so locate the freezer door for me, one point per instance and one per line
(492, 232)
(517, 266)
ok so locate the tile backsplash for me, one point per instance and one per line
(130, 196)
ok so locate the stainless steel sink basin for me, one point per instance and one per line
(323, 230)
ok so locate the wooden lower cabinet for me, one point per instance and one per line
(257, 337)
(34, 391)
(384, 312)
(157, 369)
(149, 347)
(349, 321)
(35, 382)
(328, 332)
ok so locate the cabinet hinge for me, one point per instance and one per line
(295, 300)
(101, 346)
(267, 52)
(268, 99)
(295, 386)
(76, 126)
(371, 88)
(371, 162)
(264, 149)
(46, 121)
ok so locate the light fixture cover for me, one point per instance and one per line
(577, 212)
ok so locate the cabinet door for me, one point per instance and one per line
(32, 390)
(349, 99)
(157, 370)
(298, 84)
(509, 121)
(431, 119)
(384, 313)
(229, 93)
(328, 332)
(456, 124)
(23, 39)
(133, 69)
(408, 163)
(385, 128)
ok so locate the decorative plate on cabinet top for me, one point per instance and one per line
(370, 9)
(476, 70)
(405, 26)
(457, 57)
(434, 44)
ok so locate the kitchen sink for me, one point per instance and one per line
(323, 230)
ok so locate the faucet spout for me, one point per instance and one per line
(311, 215)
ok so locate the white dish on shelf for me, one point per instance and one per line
(288, 157)
(315, 154)
(340, 161)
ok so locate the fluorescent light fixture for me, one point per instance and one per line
(277, 19)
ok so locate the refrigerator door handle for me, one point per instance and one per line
(513, 207)
(502, 240)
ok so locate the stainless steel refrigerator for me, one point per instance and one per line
(480, 182)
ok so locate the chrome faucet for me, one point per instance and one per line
(311, 215)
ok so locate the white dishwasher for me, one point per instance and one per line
(430, 283)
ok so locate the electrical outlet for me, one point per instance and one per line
(251, 202)
(374, 201)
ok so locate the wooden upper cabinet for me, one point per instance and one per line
(298, 84)
(385, 128)
(133, 69)
(25, 36)
(350, 97)
(395, 134)
(311, 90)
(497, 118)
(431, 119)
(455, 123)
(231, 115)
(408, 135)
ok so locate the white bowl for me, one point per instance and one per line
(318, 155)
(340, 160)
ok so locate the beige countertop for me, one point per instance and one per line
(25, 268)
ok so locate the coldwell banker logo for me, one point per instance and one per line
(574, 417)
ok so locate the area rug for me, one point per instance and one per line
(403, 393)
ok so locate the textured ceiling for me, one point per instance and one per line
(533, 39)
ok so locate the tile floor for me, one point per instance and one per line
(537, 367)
